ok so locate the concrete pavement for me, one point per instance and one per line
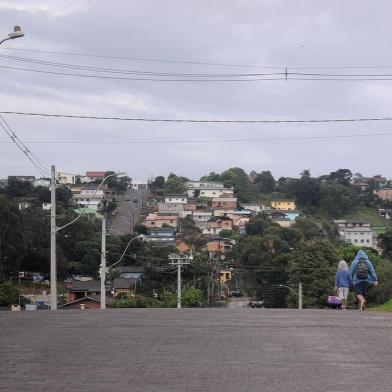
(196, 350)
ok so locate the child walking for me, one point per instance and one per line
(343, 282)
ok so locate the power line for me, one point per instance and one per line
(144, 119)
(139, 59)
(134, 72)
(285, 71)
(136, 79)
(206, 63)
(205, 141)
(22, 147)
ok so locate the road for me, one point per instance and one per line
(127, 212)
(228, 350)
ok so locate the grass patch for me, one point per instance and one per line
(385, 307)
(366, 214)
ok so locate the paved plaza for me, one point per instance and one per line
(196, 350)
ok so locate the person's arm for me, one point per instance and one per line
(352, 269)
(372, 272)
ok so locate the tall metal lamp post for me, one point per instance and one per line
(299, 294)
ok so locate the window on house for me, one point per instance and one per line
(367, 241)
(362, 241)
(355, 240)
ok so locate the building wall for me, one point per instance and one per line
(224, 204)
(176, 199)
(283, 204)
(359, 238)
(170, 207)
(383, 194)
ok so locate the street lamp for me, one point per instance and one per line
(54, 229)
(105, 269)
(17, 33)
(299, 294)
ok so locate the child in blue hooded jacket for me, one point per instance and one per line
(343, 282)
(363, 275)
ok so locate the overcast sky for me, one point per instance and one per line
(245, 32)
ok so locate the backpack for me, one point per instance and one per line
(362, 270)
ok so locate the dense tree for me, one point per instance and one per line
(314, 264)
(12, 240)
(258, 224)
(386, 243)
(342, 176)
(336, 199)
(175, 184)
(264, 182)
(17, 188)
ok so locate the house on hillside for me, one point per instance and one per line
(67, 178)
(24, 206)
(157, 220)
(131, 271)
(201, 218)
(92, 176)
(176, 198)
(163, 236)
(280, 218)
(76, 289)
(90, 196)
(383, 193)
(343, 224)
(124, 288)
(283, 204)
(171, 208)
(226, 203)
(215, 227)
(359, 236)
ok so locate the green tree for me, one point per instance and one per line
(386, 243)
(16, 188)
(258, 224)
(336, 200)
(191, 297)
(9, 294)
(314, 264)
(264, 182)
(175, 184)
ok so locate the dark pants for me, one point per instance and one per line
(361, 288)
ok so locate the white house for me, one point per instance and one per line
(211, 192)
(46, 206)
(176, 198)
(141, 185)
(359, 236)
(201, 218)
(203, 184)
(170, 207)
(66, 178)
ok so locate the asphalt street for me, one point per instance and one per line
(127, 212)
(196, 350)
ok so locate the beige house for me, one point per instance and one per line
(158, 220)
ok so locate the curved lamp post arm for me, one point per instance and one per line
(287, 287)
(125, 250)
(17, 33)
(92, 197)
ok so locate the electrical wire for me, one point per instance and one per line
(135, 79)
(205, 141)
(204, 63)
(22, 147)
(144, 119)
(134, 72)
